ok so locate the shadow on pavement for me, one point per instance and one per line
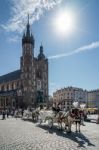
(79, 138)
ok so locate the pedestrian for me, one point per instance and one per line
(16, 114)
(3, 115)
(7, 114)
(22, 112)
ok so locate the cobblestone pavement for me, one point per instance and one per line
(16, 134)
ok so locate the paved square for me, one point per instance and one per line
(24, 135)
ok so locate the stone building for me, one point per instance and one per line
(93, 98)
(27, 86)
(66, 96)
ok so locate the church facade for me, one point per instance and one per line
(27, 86)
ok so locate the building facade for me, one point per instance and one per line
(67, 96)
(93, 99)
(81, 96)
(27, 86)
(64, 97)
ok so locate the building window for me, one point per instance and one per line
(2, 88)
(7, 87)
(12, 86)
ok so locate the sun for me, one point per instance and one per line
(64, 23)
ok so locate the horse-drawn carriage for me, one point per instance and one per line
(61, 117)
(52, 118)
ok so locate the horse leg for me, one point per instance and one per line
(69, 127)
(60, 125)
(66, 123)
(79, 127)
(61, 120)
(66, 126)
(76, 126)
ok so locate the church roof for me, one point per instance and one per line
(10, 76)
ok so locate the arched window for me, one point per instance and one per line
(2, 88)
(17, 84)
(7, 87)
(12, 86)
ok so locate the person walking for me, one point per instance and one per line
(3, 115)
(7, 113)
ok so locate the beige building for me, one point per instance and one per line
(93, 99)
(27, 86)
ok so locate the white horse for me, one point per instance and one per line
(50, 116)
(27, 114)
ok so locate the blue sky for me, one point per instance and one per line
(73, 58)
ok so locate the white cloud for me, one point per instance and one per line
(14, 39)
(78, 50)
(20, 9)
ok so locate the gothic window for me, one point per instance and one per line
(27, 59)
(14, 85)
(38, 85)
(34, 76)
(29, 68)
(25, 88)
(29, 75)
(34, 83)
(39, 74)
(29, 82)
(25, 75)
(34, 70)
(17, 84)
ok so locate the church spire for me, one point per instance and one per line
(41, 48)
(27, 36)
(28, 18)
(41, 55)
(28, 28)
